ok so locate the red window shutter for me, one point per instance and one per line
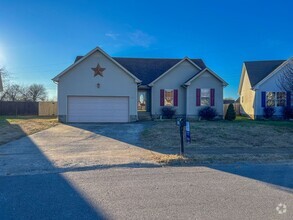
(175, 97)
(212, 93)
(162, 97)
(197, 97)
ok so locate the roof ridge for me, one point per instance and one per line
(252, 61)
(155, 58)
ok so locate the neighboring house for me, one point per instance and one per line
(101, 88)
(259, 87)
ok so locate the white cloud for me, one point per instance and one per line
(131, 38)
(140, 38)
(112, 35)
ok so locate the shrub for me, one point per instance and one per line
(207, 113)
(288, 112)
(168, 112)
(268, 112)
(230, 114)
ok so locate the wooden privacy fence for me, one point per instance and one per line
(47, 108)
(28, 108)
(236, 107)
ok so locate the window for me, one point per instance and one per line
(281, 99)
(270, 99)
(242, 99)
(168, 97)
(275, 99)
(205, 97)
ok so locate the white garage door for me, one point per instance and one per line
(97, 109)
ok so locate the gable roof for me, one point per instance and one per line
(79, 59)
(188, 82)
(144, 70)
(258, 70)
(149, 69)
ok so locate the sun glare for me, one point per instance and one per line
(2, 57)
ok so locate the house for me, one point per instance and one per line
(101, 88)
(260, 87)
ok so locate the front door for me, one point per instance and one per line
(142, 101)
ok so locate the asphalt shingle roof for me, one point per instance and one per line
(258, 70)
(148, 69)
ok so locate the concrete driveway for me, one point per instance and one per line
(76, 147)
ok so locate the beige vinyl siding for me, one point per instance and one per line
(247, 97)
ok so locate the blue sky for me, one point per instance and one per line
(38, 39)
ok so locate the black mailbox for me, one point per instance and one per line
(181, 122)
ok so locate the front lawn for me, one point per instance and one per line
(223, 141)
(15, 127)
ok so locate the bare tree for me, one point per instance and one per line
(24, 93)
(285, 81)
(12, 93)
(1, 85)
(36, 92)
(5, 82)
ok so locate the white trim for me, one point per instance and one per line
(201, 72)
(56, 78)
(177, 64)
(272, 73)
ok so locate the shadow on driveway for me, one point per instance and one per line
(279, 174)
(52, 196)
(42, 196)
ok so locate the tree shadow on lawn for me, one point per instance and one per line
(280, 174)
(41, 196)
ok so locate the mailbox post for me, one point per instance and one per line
(181, 123)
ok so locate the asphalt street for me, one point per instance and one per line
(144, 193)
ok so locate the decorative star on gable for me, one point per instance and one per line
(98, 70)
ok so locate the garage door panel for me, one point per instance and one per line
(98, 109)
